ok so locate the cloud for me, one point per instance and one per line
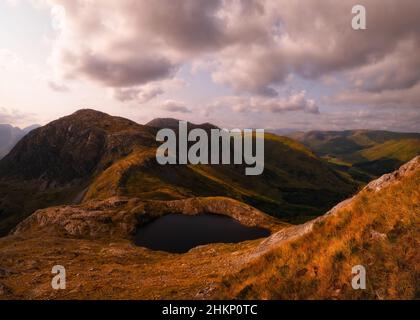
(295, 102)
(390, 98)
(15, 117)
(9, 61)
(399, 70)
(145, 93)
(175, 106)
(374, 119)
(252, 46)
(119, 72)
(140, 95)
(316, 39)
(129, 43)
(56, 86)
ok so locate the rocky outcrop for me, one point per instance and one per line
(240, 211)
(395, 176)
(119, 217)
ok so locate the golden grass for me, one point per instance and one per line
(318, 265)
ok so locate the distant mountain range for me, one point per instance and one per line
(10, 135)
(362, 154)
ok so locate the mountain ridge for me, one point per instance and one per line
(90, 155)
(362, 154)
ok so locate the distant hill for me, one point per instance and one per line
(10, 135)
(283, 131)
(170, 123)
(363, 154)
(90, 155)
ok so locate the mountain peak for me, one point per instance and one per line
(164, 123)
(88, 111)
(73, 147)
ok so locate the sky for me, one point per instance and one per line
(236, 63)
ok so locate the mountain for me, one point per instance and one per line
(93, 156)
(55, 164)
(362, 154)
(171, 123)
(94, 241)
(295, 185)
(73, 147)
(10, 135)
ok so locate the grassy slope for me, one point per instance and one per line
(402, 150)
(375, 231)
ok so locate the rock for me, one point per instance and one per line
(115, 217)
(389, 178)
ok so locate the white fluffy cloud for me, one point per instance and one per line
(14, 117)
